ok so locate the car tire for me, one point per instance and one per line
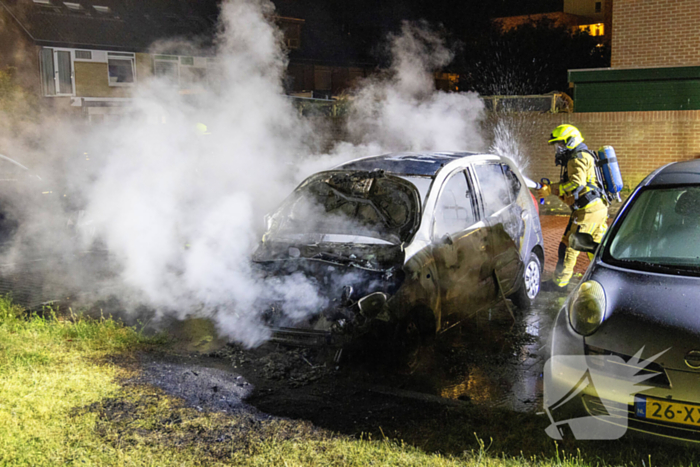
(413, 337)
(529, 283)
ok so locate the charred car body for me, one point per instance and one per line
(405, 241)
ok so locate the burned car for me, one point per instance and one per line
(408, 242)
(633, 320)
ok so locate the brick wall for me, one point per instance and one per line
(92, 80)
(649, 33)
(608, 21)
(643, 141)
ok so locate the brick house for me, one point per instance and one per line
(647, 104)
(655, 63)
(87, 57)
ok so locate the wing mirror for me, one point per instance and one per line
(580, 241)
(371, 305)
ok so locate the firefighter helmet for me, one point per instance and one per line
(201, 129)
(568, 134)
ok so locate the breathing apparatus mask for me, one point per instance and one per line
(561, 155)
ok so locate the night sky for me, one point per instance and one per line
(455, 15)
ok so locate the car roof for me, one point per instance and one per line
(677, 173)
(407, 163)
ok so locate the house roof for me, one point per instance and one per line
(132, 25)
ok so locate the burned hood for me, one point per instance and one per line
(341, 274)
(370, 257)
(346, 206)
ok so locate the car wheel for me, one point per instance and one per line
(529, 283)
(413, 338)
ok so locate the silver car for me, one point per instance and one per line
(418, 241)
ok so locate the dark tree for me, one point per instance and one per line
(530, 59)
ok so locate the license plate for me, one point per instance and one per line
(667, 410)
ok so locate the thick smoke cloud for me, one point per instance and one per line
(181, 210)
(401, 111)
(180, 213)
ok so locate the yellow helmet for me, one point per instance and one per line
(569, 134)
(201, 129)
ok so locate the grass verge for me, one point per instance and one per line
(62, 403)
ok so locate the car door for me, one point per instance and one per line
(460, 250)
(505, 222)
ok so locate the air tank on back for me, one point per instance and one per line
(612, 178)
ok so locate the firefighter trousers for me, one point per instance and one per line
(584, 221)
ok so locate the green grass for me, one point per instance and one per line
(48, 367)
(63, 402)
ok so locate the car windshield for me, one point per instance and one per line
(661, 229)
(356, 205)
(422, 183)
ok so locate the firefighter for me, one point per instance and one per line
(201, 129)
(580, 189)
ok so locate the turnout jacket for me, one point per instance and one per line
(579, 185)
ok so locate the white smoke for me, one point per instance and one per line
(510, 132)
(181, 212)
(401, 111)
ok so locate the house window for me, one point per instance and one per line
(192, 74)
(56, 72)
(192, 77)
(73, 6)
(121, 69)
(598, 7)
(597, 29)
(83, 54)
(101, 9)
(165, 66)
(188, 72)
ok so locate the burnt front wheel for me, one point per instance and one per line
(413, 337)
(529, 283)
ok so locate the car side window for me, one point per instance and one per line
(513, 182)
(494, 187)
(454, 211)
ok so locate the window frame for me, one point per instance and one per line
(199, 63)
(472, 201)
(196, 64)
(122, 56)
(56, 78)
(505, 168)
(484, 205)
(166, 58)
